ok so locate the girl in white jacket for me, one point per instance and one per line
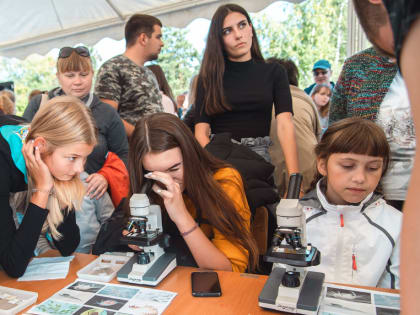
(357, 233)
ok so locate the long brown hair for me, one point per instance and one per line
(353, 135)
(162, 82)
(210, 78)
(161, 132)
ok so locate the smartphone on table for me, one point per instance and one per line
(205, 283)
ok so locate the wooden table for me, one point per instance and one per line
(239, 291)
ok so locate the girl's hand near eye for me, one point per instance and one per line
(171, 195)
(37, 169)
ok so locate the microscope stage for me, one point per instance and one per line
(301, 300)
(151, 274)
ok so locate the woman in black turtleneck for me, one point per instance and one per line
(237, 89)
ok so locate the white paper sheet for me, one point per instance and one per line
(47, 268)
(342, 300)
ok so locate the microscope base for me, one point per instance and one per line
(307, 299)
(152, 274)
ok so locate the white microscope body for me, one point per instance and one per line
(290, 287)
(152, 264)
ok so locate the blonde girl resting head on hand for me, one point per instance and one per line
(42, 161)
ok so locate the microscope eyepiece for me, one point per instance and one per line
(295, 183)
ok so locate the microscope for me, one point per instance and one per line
(152, 263)
(290, 287)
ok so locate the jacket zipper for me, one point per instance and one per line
(353, 263)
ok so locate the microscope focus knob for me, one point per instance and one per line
(291, 279)
(143, 258)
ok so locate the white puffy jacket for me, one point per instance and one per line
(359, 244)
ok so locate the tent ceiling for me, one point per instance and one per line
(37, 26)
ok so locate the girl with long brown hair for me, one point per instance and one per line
(203, 198)
(237, 89)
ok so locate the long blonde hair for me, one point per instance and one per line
(61, 121)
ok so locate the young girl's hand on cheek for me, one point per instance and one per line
(36, 167)
(171, 193)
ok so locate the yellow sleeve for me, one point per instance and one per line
(231, 182)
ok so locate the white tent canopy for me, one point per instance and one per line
(37, 26)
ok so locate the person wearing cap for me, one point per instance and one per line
(322, 74)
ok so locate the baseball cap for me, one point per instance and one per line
(321, 64)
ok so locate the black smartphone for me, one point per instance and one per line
(205, 284)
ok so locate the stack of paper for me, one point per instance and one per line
(47, 268)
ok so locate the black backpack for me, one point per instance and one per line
(108, 239)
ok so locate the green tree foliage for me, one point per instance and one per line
(305, 33)
(178, 59)
(35, 72)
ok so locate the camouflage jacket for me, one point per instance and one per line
(134, 88)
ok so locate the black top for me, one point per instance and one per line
(250, 89)
(402, 14)
(17, 245)
(111, 131)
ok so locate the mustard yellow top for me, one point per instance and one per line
(234, 188)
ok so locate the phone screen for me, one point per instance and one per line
(205, 284)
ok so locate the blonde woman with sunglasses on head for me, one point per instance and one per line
(75, 74)
(40, 166)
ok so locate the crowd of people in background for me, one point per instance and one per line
(246, 127)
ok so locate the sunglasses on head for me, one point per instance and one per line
(65, 52)
(323, 72)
